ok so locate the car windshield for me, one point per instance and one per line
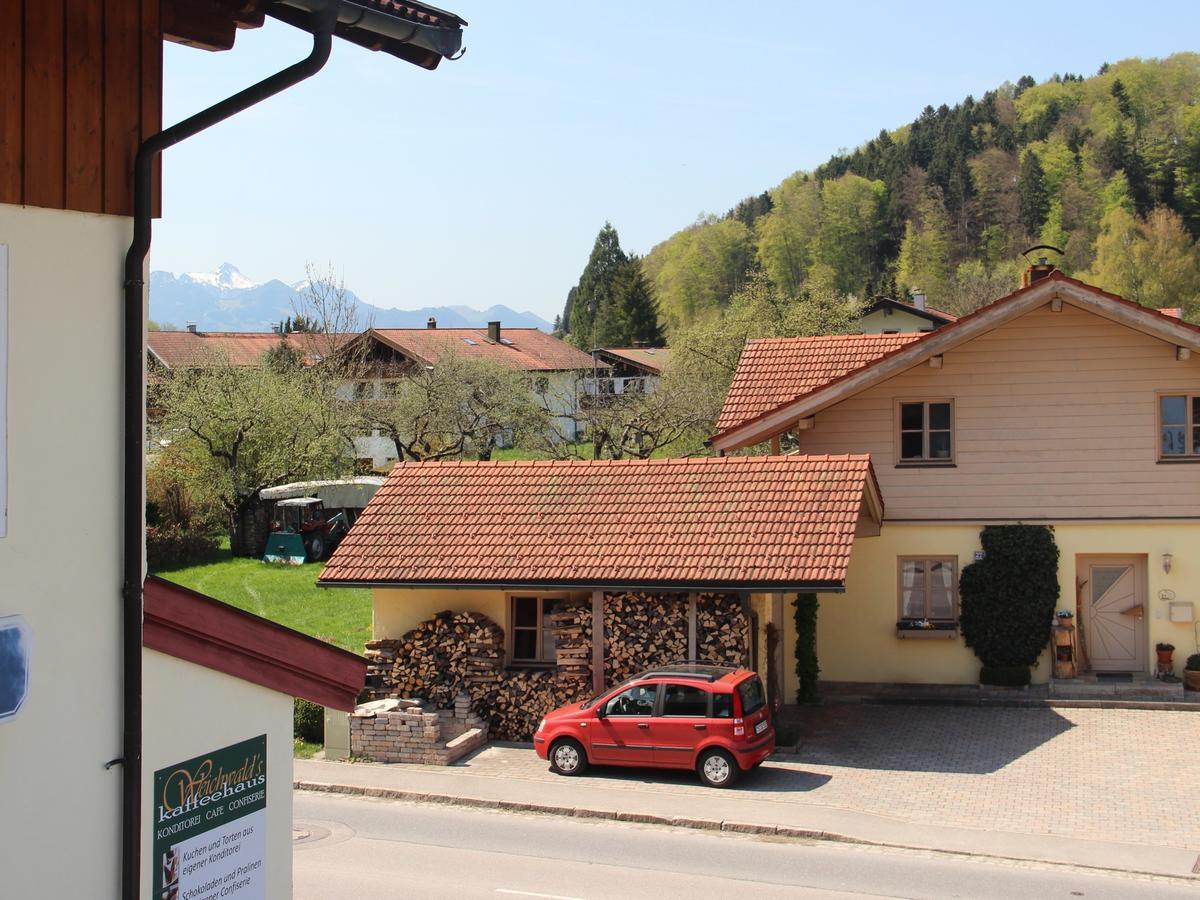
(616, 689)
(751, 692)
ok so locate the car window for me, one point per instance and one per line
(685, 700)
(722, 706)
(751, 691)
(635, 701)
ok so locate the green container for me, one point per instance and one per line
(285, 548)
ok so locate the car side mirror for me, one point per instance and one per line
(600, 711)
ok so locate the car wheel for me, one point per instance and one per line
(567, 757)
(717, 768)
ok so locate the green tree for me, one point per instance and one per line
(850, 231)
(637, 311)
(593, 302)
(925, 252)
(246, 428)
(787, 234)
(1033, 201)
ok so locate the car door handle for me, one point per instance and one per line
(643, 724)
(700, 727)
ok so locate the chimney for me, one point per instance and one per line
(432, 323)
(277, 328)
(918, 299)
(191, 326)
(494, 332)
(1040, 269)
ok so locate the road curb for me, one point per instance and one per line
(729, 825)
(578, 812)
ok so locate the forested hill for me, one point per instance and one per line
(1105, 167)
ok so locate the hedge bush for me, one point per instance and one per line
(1008, 598)
(168, 547)
(807, 668)
(308, 721)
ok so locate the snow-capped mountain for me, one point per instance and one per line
(226, 300)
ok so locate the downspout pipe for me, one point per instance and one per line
(134, 430)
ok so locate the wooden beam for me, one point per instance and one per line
(1056, 303)
(597, 641)
(692, 643)
(198, 23)
(807, 423)
(935, 362)
(776, 449)
(1183, 354)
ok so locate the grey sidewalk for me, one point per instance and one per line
(670, 798)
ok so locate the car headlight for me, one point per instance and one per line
(541, 726)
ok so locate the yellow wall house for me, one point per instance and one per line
(679, 558)
(1059, 404)
(887, 316)
(80, 93)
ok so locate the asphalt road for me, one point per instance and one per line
(363, 848)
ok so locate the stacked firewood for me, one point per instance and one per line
(572, 624)
(381, 658)
(643, 630)
(518, 698)
(722, 630)
(443, 656)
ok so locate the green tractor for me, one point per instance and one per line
(300, 531)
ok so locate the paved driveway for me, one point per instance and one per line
(1117, 775)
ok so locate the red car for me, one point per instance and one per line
(713, 719)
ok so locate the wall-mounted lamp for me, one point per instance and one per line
(1167, 558)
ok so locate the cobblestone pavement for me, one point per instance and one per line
(1119, 775)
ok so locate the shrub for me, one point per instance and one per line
(1163, 648)
(1193, 663)
(1008, 597)
(807, 668)
(308, 721)
(169, 546)
(1004, 676)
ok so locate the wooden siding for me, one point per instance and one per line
(80, 87)
(1056, 417)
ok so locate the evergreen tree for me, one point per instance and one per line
(637, 313)
(564, 326)
(1031, 194)
(593, 302)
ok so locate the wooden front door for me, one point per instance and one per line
(1114, 593)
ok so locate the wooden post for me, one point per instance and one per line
(692, 651)
(597, 641)
(775, 446)
(777, 621)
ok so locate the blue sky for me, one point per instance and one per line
(486, 180)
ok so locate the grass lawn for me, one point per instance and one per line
(284, 594)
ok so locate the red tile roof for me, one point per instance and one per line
(193, 349)
(775, 370)
(527, 348)
(650, 358)
(782, 522)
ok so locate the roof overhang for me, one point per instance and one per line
(415, 32)
(191, 626)
(1056, 288)
(666, 587)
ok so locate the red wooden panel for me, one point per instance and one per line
(152, 50)
(12, 100)
(85, 105)
(122, 102)
(45, 106)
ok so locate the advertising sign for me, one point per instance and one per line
(14, 665)
(210, 822)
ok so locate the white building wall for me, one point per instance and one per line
(196, 710)
(60, 561)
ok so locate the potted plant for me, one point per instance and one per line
(1191, 672)
(1164, 652)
